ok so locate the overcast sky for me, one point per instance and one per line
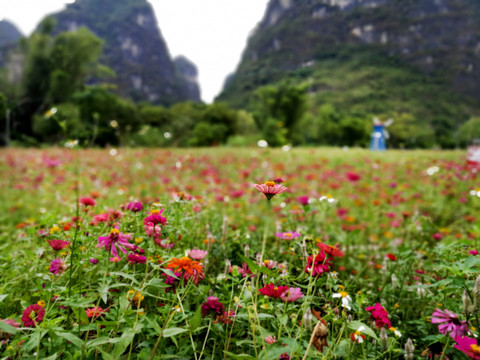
(211, 33)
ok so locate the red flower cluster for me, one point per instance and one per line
(212, 306)
(380, 315)
(33, 315)
(273, 291)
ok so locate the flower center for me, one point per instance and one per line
(270, 183)
(343, 293)
(114, 231)
(475, 349)
(154, 212)
(288, 234)
(32, 315)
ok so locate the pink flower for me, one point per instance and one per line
(273, 291)
(288, 235)
(473, 252)
(134, 258)
(449, 323)
(114, 239)
(353, 177)
(58, 266)
(380, 315)
(57, 244)
(94, 312)
(155, 217)
(303, 200)
(197, 254)
(271, 339)
(270, 189)
(468, 346)
(212, 306)
(33, 315)
(318, 264)
(87, 201)
(291, 295)
(152, 230)
(134, 206)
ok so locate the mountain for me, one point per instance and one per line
(369, 57)
(9, 34)
(133, 47)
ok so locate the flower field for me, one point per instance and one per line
(238, 254)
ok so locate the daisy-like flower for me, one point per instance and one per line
(188, 267)
(116, 239)
(357, 336)
(290, 235)
(57, 244)
(33, 315)
(346, 299)
(58, 266)
(212, 306)
(270, 189)
(273, 291)
(197, 254)
(291, 295)
(449, 323)
(395, 331)
(327, 198)
(94, 312)
(468, 346)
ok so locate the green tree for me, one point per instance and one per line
(469, 131)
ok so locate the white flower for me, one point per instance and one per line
(345, 299)
(357, 335)
(327, 198)
(396, 332)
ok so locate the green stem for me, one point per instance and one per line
(206, 338)
(445, 348)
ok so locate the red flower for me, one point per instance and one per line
(155, 218)
(330, 250)
(380, 315)
(87, 201)
(57, 244)
(212, 306)
(94, 312)
(33, 315)
(318, 264)
(273, 291)
(391, 257)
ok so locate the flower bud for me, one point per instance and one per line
(409, 349)
(228, 264)
(467, 303)
(247, 250)
(394, 281)
(384, 339)
(307, 319)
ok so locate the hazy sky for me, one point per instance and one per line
(211, 33)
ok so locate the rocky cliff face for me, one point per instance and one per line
(437, 37)
(187, 71)
(134, 48)
(9, 36)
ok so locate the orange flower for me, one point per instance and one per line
(185, 264)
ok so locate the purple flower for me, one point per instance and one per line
(58, 266)
(290, 235)
(449, 323)
(212, 306)
(114, 239)
(197, 254)
(134, 206)
(93, 261)
(134, 258)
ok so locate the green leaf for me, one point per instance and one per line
(127, 276)
(239, 357)
(255, 267)
(101, 341)
(70, 337)
(355, 325)
(7, 328)
(2, 297)
(122, 345)
(173, 331)
(153, 324)
(196, 319)
(34, 339)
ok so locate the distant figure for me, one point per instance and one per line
(473, 156)
(379, 135)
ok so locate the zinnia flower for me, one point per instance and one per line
(189, 268)
(318, 264)
(134, 206)
(212, 306)
(196, 254)
(273, 291)
(87, 201)
(271, 339)
(155, 217)
(291, 295)
(270, 189)
(114, 239)
(449, 323)
(33, 315)
(468, 346)
(287, 235)
(57, 244)
(380, 315)
(94, 312)
(134, 258)
(58, 266)
(330, 250)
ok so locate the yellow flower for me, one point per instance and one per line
(396, 306)
(54, 229)
(138, 240)
(41, 303)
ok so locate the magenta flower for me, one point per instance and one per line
(114, 239)
(134, 258)
(468, 346)
(291, 295)
(380, 315)
(270, 189)
(57, 244)
(449, 323)
(303, 200)
(290, 235)
(134, 206)
(58, 266)
(155, 218)
(33, 315)
(318, 264)
(197, 254)
(87, 201)
(273, 291)
(212, 306)
(473, 252)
